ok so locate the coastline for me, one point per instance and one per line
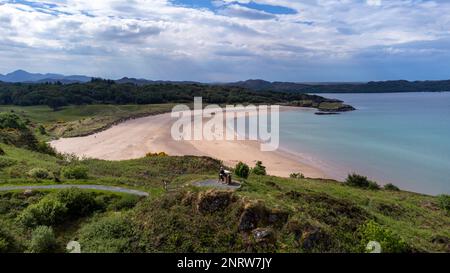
(134, 138)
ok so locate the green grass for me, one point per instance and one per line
(79, 120)
(172, 221)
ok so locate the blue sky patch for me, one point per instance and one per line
(208, 4)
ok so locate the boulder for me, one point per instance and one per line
(265, 235)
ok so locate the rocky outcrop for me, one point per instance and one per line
(212, 201)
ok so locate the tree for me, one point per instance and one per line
(56, 103)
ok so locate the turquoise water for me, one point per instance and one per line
(401, 138)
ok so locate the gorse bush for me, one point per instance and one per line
(359, 181)
(444, 202)
(111, 234)
(43, 240)
(49, 211)
(297, 175)
(242, 170)
(390, 242)
(259, 169)
(78, 202)
(59, 206)
(77, 172)
(7, 241)
(6, 162)
(391, 187)
(38, 173)
(11, 120)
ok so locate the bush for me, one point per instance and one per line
(48, 211)
(2, 152)
(42, 240)
(42, 130)
(444, 202)
(7, 241)
(11, 120)
(391, 187)
(45, 148)
(259, 169)
(390, 242)
(6, 162)
(124, 202)
(38, 173)
(359, 181)
(77, 172)
(156, 154)
(78, 202)
(297, 175)
(107, 235)
(242, 170)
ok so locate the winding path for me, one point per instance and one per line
(87, 187)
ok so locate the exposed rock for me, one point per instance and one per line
(255, 214)
(442, 240)
(265, 235)
(212, 201)
(277, 218)
(28, 192)
(314, 237)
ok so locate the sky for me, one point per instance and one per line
(229, 40)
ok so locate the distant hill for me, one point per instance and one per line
(370, 87)
(24, 76)
(253, 84)
(149, 82)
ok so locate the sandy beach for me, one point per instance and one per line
(134, 138)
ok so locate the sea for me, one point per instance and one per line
(399, 138)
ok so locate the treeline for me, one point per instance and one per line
(100, 91)
(370, 87)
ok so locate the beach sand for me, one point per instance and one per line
(134, 138)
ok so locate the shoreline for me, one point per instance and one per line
(134, 138)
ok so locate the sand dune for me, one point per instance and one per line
(134, 138)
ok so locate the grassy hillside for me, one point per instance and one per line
(267, 214)
(70, 121)
(313, 215)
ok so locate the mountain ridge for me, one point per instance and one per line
(22, 76)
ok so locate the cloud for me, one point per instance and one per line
(223, 39)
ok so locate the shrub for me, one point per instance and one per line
(48, 211)
(444, 202)
(6, 162)
(297, 175)
(155, 154)
(42, 240)
(2, 152)
(390, 242)
(391, 187)
(107, 235)
(42, 130)
(38, 173)
(45, 148)
(11, 120)
(242, 170)
(125, 202)
(77, 172)
(259, 169)
(7, 241)
(359, 181)
(78, 202)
